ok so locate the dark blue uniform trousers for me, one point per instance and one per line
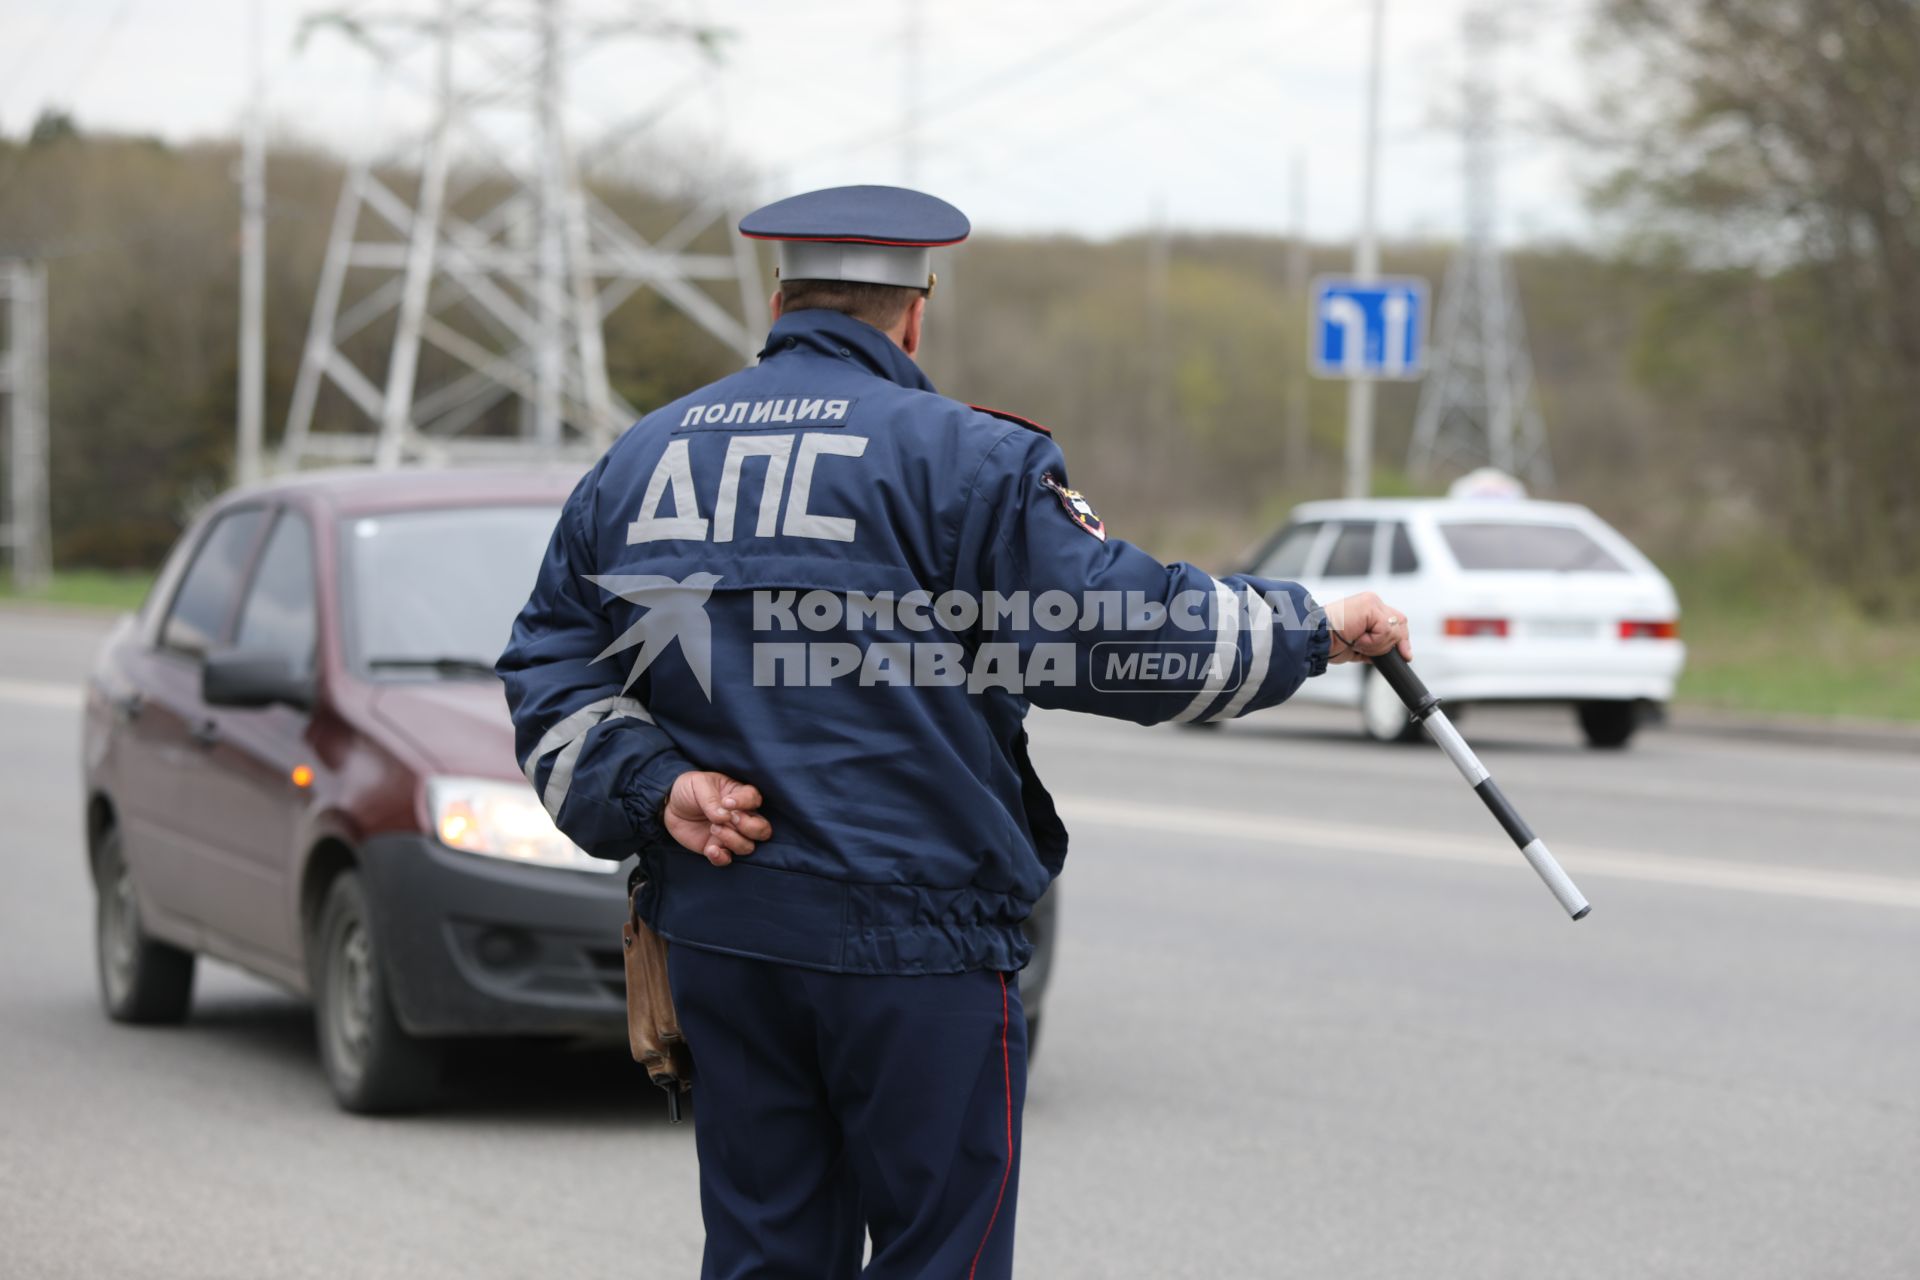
(829, 1107)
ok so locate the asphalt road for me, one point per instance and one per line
(1312, 1017)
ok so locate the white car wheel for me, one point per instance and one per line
(1382, 714)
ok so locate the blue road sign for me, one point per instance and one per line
(1372, 330)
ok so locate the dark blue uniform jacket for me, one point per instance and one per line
(693, 612)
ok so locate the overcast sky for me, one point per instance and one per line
(1071, 115)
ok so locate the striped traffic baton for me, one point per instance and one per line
(1425, 710)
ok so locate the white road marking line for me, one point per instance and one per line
(1271, 829)
(43, 693)
(1301, 833)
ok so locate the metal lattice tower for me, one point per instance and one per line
(23, 380)
(508, 303)
(1477, 406)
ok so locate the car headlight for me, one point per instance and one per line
(503, 820)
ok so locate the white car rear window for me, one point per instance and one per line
(1287, 557)
(1515, 546)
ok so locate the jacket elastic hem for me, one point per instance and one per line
(790, 917)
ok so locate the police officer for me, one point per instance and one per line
(800, 615)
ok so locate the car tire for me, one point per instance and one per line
(372, 1064)
(1382, 715)
(142, 980)
(1608, 725)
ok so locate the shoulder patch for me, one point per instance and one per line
(1078, 509)
(1028, 423)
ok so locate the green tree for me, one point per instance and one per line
(1771, 143)
(50, 126)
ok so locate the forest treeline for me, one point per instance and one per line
(1734, 374)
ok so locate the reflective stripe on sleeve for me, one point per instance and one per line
(1260, 623)
(1226, 647)
(568, 738)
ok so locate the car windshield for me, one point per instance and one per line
(1517, 546)
(433, 594)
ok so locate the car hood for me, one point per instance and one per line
(460, 726)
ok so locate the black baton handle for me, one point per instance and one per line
(1408, 687)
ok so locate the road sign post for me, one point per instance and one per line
(1366, 265)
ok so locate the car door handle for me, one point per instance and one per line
(205, 734)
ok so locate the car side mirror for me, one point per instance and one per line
(234, 678)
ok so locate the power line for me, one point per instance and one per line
(1047, 60)
(74, 83)
(104, 42)
(1141, 98)
(32, 52)
(985, 87)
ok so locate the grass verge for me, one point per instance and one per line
(1782, 643)
(102, 589)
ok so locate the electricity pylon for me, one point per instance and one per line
(507, 303)
(1477, 405)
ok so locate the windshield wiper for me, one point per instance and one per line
(440, 666)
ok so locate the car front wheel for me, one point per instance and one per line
(373, 1065)
(1608, 725)
(141, 979)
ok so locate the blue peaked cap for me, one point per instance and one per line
(864, 234)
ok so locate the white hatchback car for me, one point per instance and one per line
(1508, 600)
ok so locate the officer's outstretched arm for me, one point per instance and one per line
(602, 767)
(1145, 641)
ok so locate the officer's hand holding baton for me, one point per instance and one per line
(1362, 628)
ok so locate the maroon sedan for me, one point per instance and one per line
(298, 759)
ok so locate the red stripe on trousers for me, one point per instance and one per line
(1006, 1075)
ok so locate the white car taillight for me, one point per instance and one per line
(1633, 629)
(1477, 627)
